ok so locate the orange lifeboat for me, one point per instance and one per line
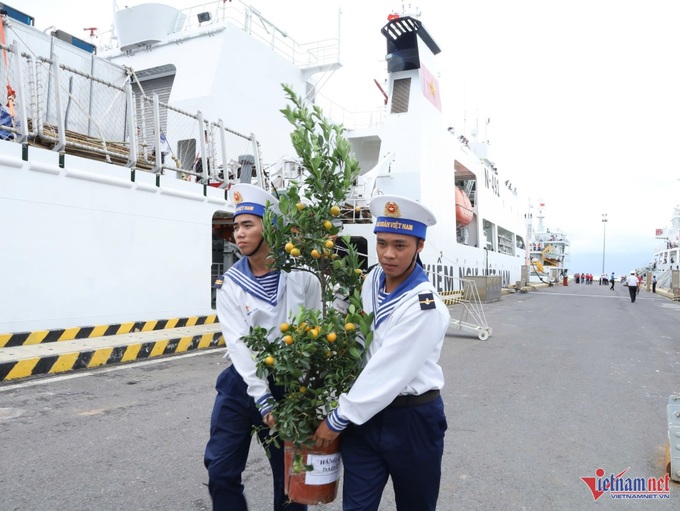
(464, 211)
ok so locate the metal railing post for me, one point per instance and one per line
(130, 100)
(142, 125)
(204, 148)
(157, 135)
(35, 109)
(20, 95)
(61, 128)
(223, 149)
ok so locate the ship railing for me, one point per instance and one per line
(353, 210)
(250, 20)
(362, 119)
(54, 105)
(193, 146)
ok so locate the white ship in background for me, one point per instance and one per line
(548, 250)
(99, 231)
(667, 255)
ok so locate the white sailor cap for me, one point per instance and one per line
(252, 200)
(399, 215)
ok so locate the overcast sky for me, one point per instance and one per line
(582, 97)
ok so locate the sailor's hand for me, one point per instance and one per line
(324, 435)
(269, 420)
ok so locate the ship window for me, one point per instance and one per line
(400, 95)
(505, 245)
(489, 229)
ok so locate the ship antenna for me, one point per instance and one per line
(92, 31)
(414, 12)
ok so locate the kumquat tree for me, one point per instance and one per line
(318, 354)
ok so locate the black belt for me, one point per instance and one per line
(413, 400)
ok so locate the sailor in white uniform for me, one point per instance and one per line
(393, 417)
(250, 294)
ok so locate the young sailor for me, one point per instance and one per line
(393, 416)
(250, 294)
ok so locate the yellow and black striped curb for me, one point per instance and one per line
(85, 332)
(91, 358)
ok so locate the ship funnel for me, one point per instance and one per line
(402, 43)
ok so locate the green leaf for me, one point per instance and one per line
(326, 371)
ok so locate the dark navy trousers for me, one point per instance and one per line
(404, 443)
(226, 454)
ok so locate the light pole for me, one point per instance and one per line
(604, 237)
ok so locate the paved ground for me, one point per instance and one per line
(573, 379)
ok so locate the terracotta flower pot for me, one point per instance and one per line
(316, 486)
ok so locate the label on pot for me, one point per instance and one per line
(326, 468)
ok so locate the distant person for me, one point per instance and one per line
(639, 277)
(9, 121)
(654, 284)
(632, 286)
(165, 148)
(613, 279)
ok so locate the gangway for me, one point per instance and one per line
(467, 313)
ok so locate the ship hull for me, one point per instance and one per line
(87, 245)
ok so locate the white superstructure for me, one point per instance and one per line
(97, 230)
(413, 153)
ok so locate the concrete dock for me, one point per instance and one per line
(572, 380)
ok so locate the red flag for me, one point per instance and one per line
(430, 86)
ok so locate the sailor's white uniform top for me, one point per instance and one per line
(243, 302)
(408, 333)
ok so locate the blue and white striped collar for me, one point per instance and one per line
(385, 309)
(243, 277)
